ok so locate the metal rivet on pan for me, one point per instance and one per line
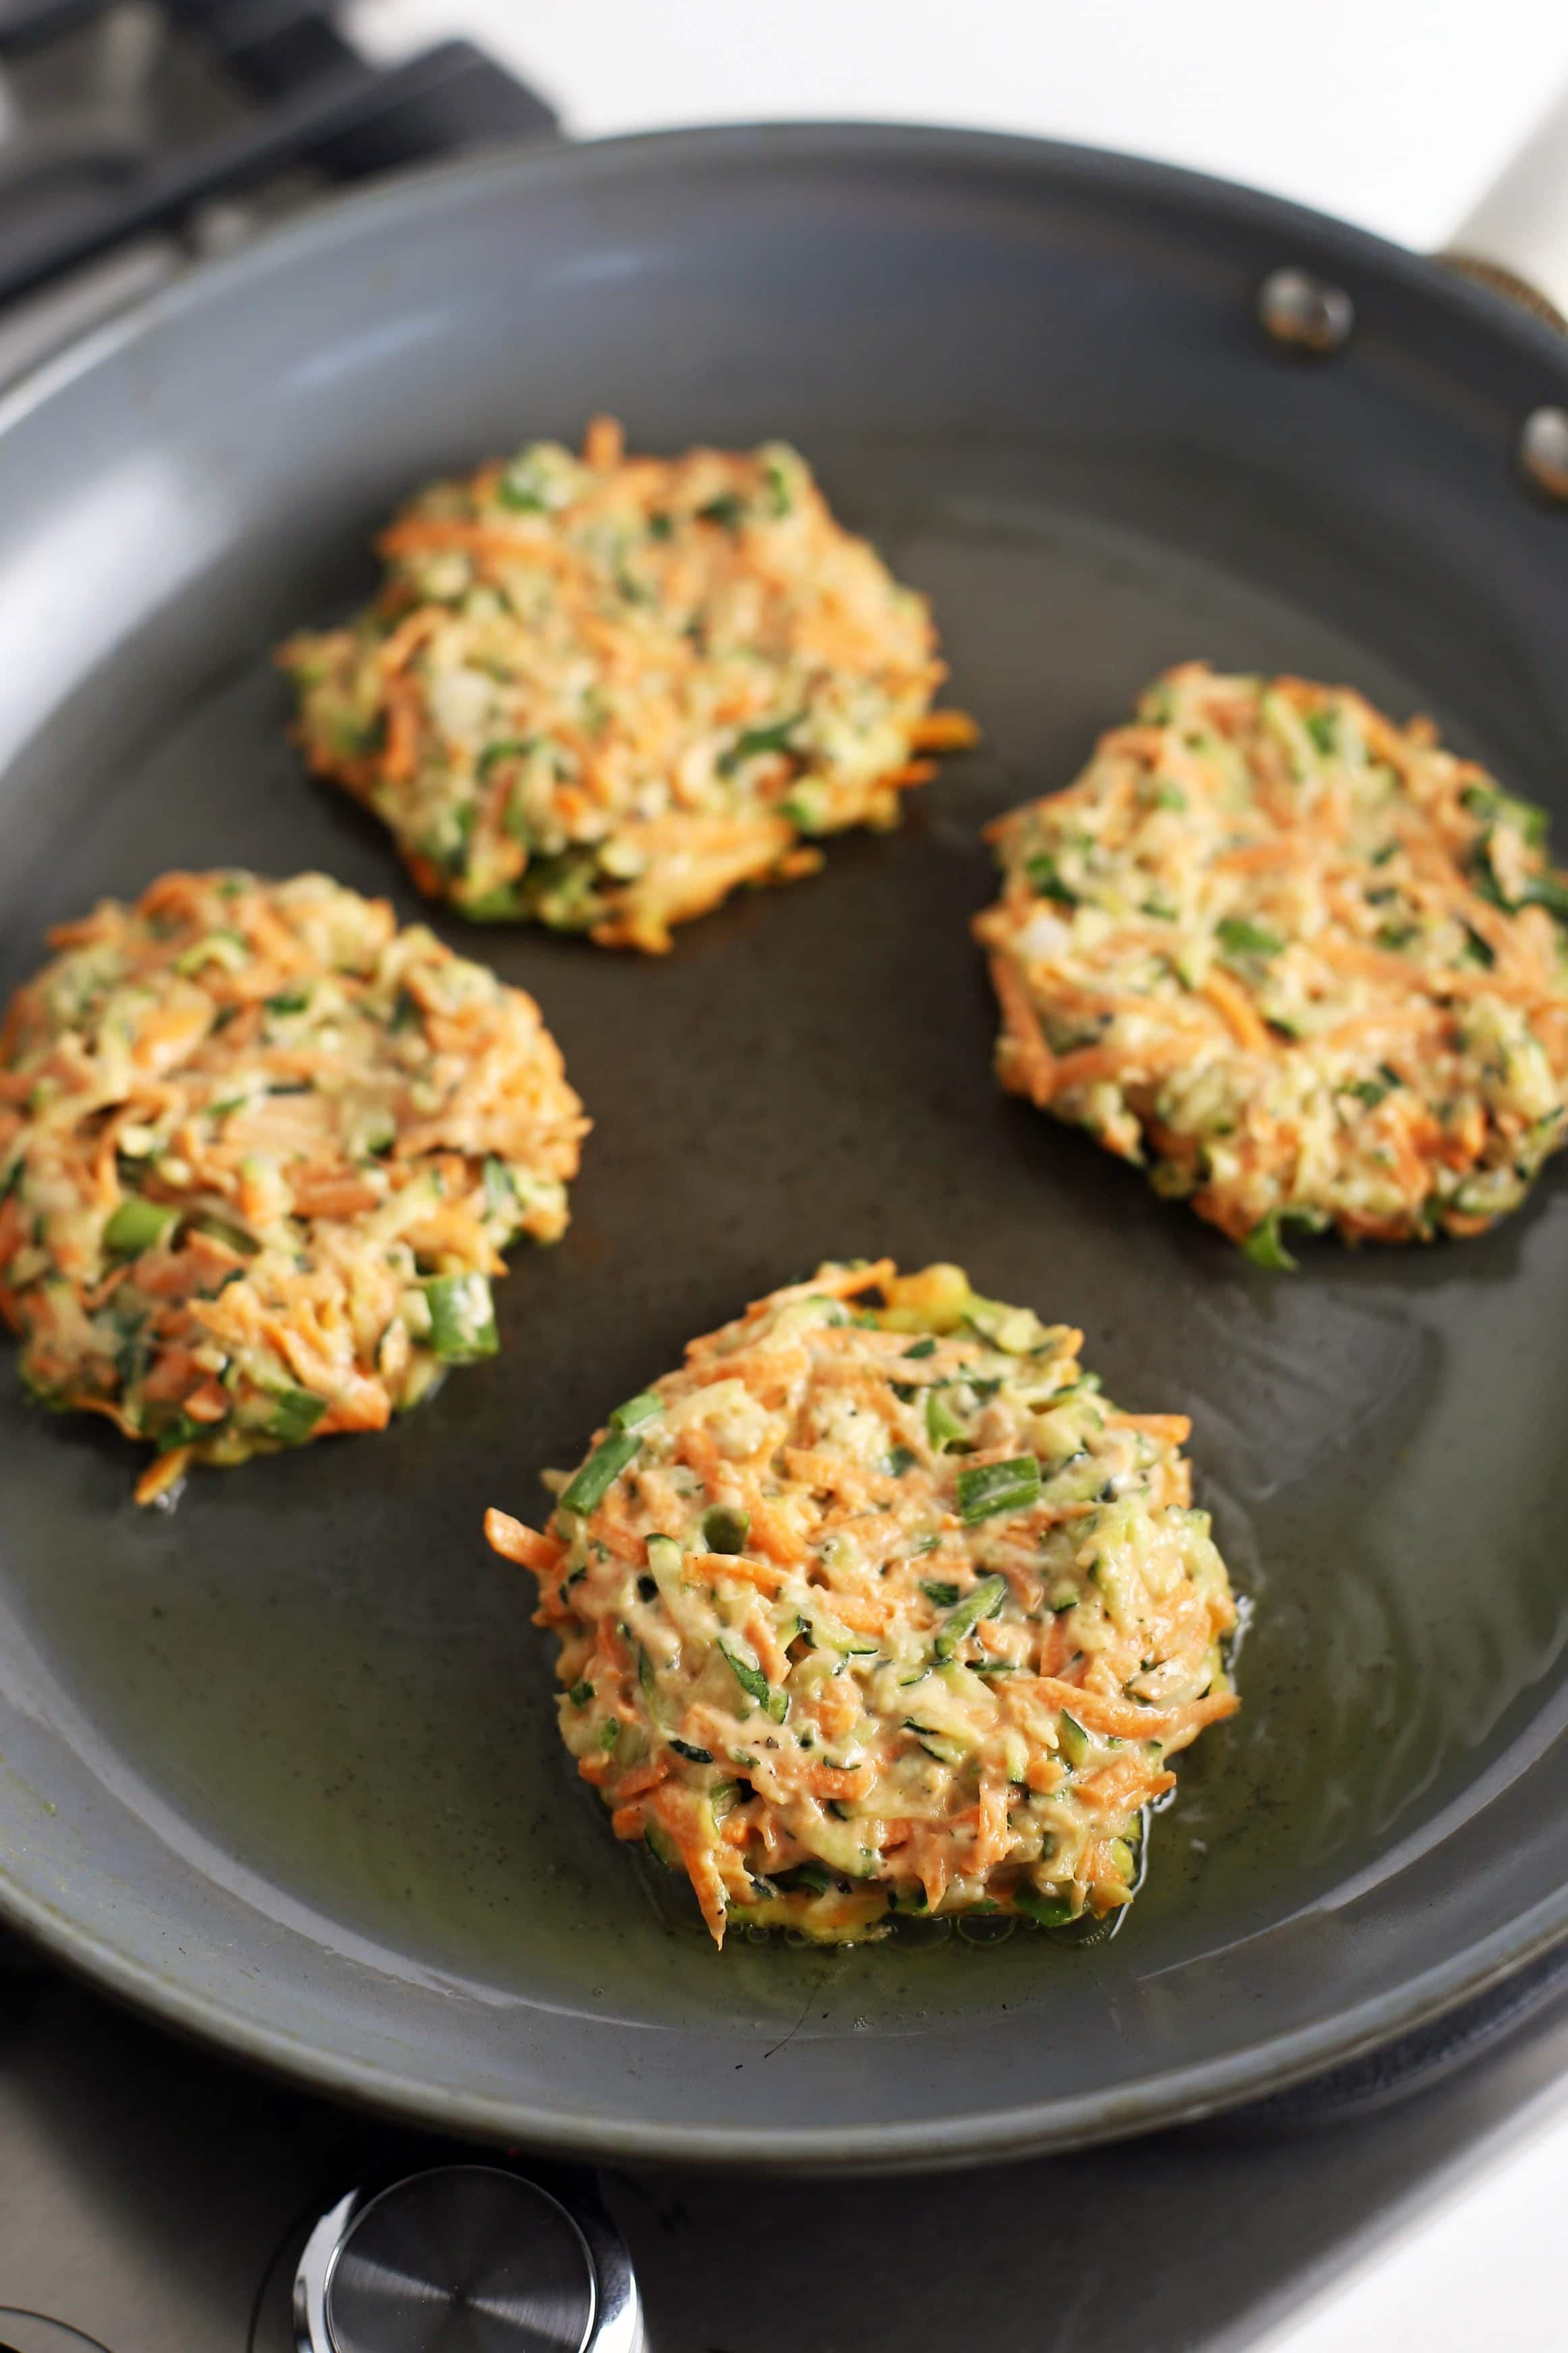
(1305, 312)
(1543, 450)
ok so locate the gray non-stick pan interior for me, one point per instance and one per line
(281, 1764)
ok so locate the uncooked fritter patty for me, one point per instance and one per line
(879, 1606)
(260, 1152)
(601, 691)
(1302, 963)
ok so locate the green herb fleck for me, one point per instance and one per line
(752, 1680)
(1045, 877)
(938, 1590)
(1237, 938)
(754, 741)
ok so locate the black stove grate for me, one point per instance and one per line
(129, 120)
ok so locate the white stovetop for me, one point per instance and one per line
(1395, 112)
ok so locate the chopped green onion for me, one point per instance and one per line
(926, 1348)
(695, 1755)
(899, 1460)
(636, 1411)
(1011, 1486)
(462, 1318)
(581, 1693)
(1478, 949)
(294, 1415)
(1320, 726)
(290, 1001)
(941, 1427)
(599, 1474)
(986, 1598)
(727, 511)
(725, 1530)
(138, 1225)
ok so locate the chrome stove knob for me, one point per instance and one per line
(466, 2259)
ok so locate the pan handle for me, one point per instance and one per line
(1515, 237)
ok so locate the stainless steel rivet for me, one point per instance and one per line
(1304, 312)
(1543, 450)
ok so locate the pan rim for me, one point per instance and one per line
(1172, 2097)
(1179, 2096)
(339, 215)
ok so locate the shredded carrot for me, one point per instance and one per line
(1236, 1010)
(1172, 1428)
(523, 1544)
(944, 730)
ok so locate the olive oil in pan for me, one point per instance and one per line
(316, 1665)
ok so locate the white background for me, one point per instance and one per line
(1395, 112)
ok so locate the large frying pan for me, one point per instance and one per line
(281, 1767)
